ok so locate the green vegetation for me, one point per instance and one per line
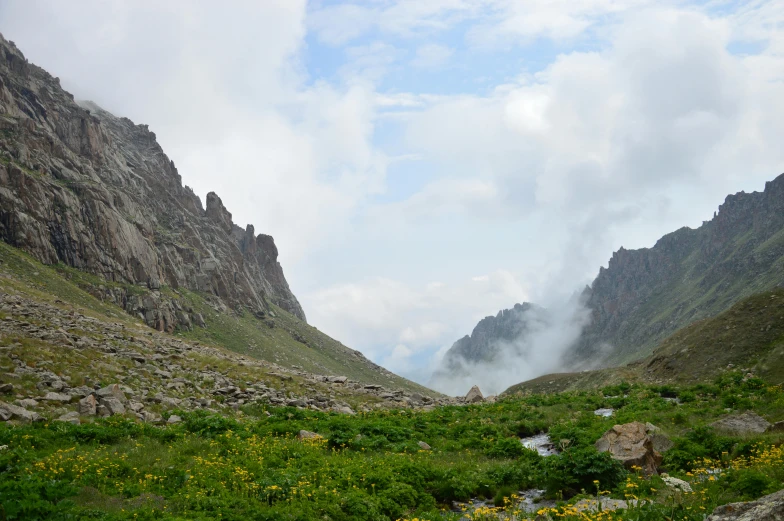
(282, 339)
(370, 466)
(748, 335)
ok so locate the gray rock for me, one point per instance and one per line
(6, 388)
(423, 445)
(306, 435)
(151, 417)
(604, 504)
(474, 395)
(768, 508)
(337, 379)
(604, 413)
(171, 403)
(174, 419)
(343, 410)
(112, 391)
(14, 412)
(135, 406)
(69, 417)
(113, 405)
(27, 403)
(88, 406)
(739, 424)
(57, 397)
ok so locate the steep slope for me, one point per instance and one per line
(94, 196)
(96, 192)
(748, 336)
(645, 295)
(279, 343)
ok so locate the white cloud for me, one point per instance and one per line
(431, 56)
(224, 91)
(377, 314)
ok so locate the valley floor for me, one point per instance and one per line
(252, 465)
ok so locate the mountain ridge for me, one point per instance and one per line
(81, 186)
(644, 295)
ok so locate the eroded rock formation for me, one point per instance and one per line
(82, 187)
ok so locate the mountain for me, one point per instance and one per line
(93, 191)
(495, 343)
(748, 336)
(95, 197)
(483, 343)
(645, 295)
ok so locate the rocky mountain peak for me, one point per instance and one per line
(646, 294)
(85, 188)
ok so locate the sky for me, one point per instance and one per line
(422, 165)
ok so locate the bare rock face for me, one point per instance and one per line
(713, 258)
(474, 395)
(768, 508)
(748, 422)
(307, 435)
(630, 444)
(81, 186)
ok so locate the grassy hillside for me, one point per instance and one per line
(282, 339)
(749, 335)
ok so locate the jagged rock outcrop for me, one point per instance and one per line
(647, 294)
(491, 333)
(82, 187)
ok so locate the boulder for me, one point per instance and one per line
(112, 391)
(69, 417)
(630, 444)
(307, 435)
(88, 406)
(27, 403)
(768, 508)
(604, 504)
(174, 419)
(337, 379)
(343, 410)
(113, 405)
(740, 424)
(14, 412)
(57, 397)
(423, 445)
(6, 388)
(474, 395)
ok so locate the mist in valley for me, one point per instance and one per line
(544, 338)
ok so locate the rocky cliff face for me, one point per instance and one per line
(82, 187)
(484, 342)
(645, 295)
(506, 330)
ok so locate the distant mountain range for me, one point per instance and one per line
(645, 295)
